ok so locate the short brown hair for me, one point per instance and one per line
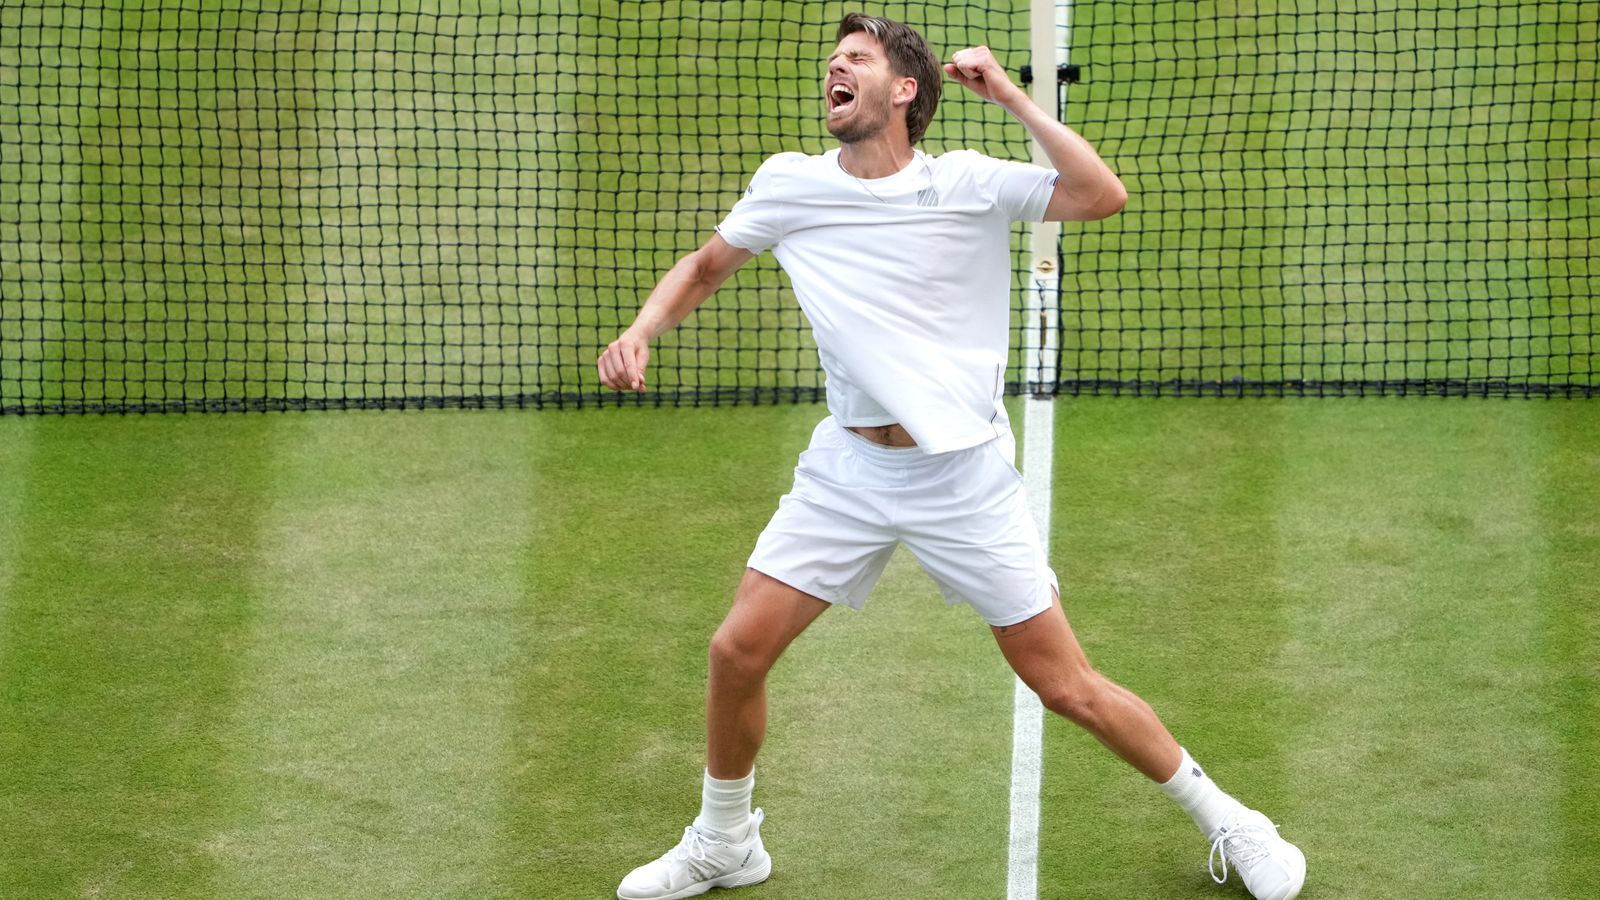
(909, 57)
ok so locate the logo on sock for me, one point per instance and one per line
(1197, 772)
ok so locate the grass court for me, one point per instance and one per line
(462, 654)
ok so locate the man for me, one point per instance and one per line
(901, 262)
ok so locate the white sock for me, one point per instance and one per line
(725, 807)
(1200, 797)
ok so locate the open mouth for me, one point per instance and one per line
(841, 99)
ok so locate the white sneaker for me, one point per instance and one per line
(699, 863)
(1271, 867)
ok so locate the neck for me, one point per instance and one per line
(875, 157)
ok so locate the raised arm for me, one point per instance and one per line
(685, 286)
(1087, 188)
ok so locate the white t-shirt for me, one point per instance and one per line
(906, 281)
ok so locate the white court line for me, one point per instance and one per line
(1027, 724)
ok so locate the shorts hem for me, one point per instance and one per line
(1053, 583)
(1019, 617)
(804, 587)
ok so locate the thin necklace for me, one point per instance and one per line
(865, 188)
(862, 183)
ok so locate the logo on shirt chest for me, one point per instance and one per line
(928, 196)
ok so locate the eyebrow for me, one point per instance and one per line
(852, 54)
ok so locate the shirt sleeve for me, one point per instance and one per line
(755, 222)
(1021, 190)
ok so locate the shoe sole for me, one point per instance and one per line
(739, 879)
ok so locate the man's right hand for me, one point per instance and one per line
(622, 365)
(682, 289)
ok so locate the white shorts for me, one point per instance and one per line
(963, 514)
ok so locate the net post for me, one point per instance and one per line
(1047, 52)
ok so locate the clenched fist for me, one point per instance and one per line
(978, 71)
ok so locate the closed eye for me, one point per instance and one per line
(855, 56)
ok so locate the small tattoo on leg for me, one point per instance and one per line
(1009, 630)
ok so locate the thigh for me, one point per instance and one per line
(767, 615)
(1043, 650)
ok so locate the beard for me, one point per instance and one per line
(871, 116)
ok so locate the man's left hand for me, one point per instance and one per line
(978, 70)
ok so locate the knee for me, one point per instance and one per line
(1079, 698)
(732, 654)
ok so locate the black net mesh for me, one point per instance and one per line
(1338, 198)
(242, 204)
(250, 204)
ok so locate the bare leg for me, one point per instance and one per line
(766, 616)
(1045, 654)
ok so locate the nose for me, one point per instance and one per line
(836, 67)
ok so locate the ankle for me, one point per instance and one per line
(1208, 805)
(725, 806)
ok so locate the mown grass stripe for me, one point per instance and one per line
(119, 653)
(645, 520)
(889, 762)
(884, 772)
(1569, 584)
(378, 678)
(16, 444)
(1163, 543)
(1411, 541)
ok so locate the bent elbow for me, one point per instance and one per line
(1112, 200)
(711, 265)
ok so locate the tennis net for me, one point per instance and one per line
(1334, 198)
(245, 204)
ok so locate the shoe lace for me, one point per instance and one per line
(1244, 844)
(693, 846)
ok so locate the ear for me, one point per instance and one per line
(903, 91)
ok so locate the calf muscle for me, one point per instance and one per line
(1048, 659)
(766, 616)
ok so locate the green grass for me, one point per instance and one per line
(625, 549)
(1360, 616)
(463, 654)
(127, 606)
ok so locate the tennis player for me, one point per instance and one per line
(902, 263)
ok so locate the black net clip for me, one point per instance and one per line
(1066, 73)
